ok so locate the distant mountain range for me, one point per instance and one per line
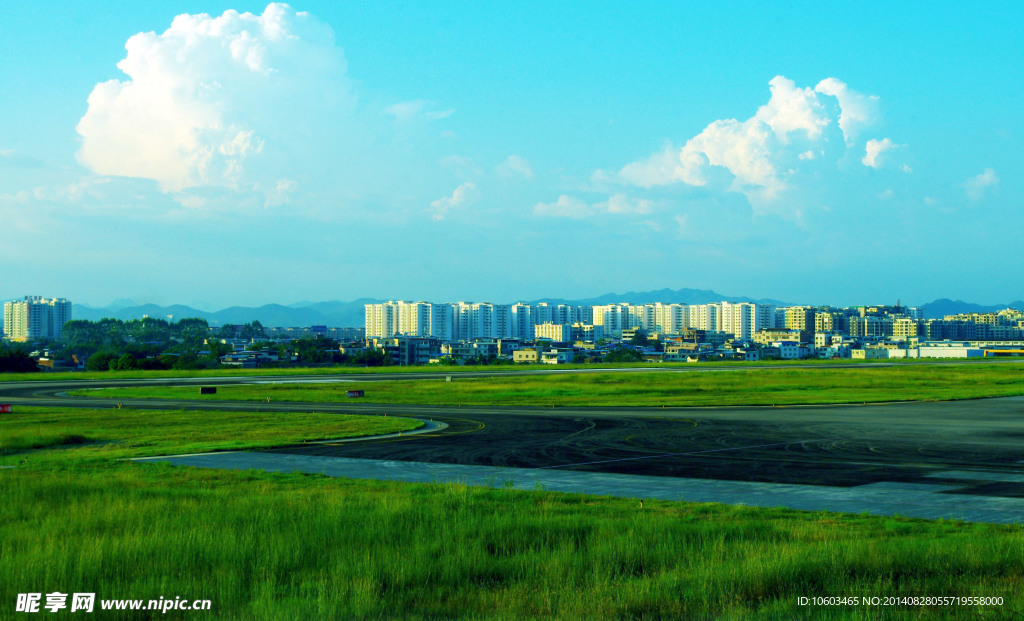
(342, 314)
(667, 296)
(336, 314)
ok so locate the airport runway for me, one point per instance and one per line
(950, 450)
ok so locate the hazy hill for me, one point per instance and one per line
(340, 314)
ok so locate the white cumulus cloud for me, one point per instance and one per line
(225, 101)
(977, 187)
(762, 155)
(874, 149)
(749, 149)
(463, 195)
(856, 110)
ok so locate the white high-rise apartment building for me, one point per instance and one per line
(482, 320)
(36, 318)
(543, 313)
(705, 316)
(442, 322)
(642, 316)
(462, 314)
(457, 321)
(739, 319)
(414, 318)
(765, 316)
(614, 318)
(671, 318)
(381, 320)
(744, 319)
(522, 321)
(502, 321)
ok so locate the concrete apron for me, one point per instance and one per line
(930, 501)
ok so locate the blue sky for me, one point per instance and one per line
(221, 153)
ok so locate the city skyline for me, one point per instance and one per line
(322, 152)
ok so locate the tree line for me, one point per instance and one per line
(157, 344)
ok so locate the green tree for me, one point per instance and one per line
(253, 330)
(16, 360)
(187, 362)
(639, 339)
(101, 361)
(216, 349)
(372, 358)
(316, 350)
(126, 362)
(623, 354)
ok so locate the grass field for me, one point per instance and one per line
(738, 386)
(451, 370)
(105, 435)
(74, 518)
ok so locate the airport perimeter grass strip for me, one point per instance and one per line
(761, 386)
(339, 370)
(75, 518)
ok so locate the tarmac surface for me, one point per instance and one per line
(960, 459)
(977, 446)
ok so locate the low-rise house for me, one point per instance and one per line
(527, 355)
(557, 355)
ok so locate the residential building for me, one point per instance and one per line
(382, 319)
(739, 320)
(705, 317)
(555, 332)
(557, 355)
(35, 317)
(587, 332)
(767, 336)
(527, 355)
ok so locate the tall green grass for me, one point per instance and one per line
(273, 546)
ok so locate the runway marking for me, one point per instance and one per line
(432, 434)
(478, 427)
(593, 424)
(736, 448)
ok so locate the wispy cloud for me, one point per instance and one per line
(408, 111)
(515, 166)
(571, 207)
(10, 157)
(979, 186)
(463, 195)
